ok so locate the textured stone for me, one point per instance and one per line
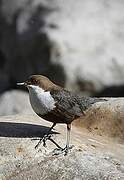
(94, 155)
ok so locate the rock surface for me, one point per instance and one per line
(15, 102)
(71, 42)
(105, 118)
(94, 156)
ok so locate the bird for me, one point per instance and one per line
(56, 104)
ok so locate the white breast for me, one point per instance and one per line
(42, 102)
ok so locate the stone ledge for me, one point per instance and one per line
(105, 119)
(97, 154)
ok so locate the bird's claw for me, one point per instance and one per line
(44, 139)
(64, 151)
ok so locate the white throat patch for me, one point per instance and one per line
(42, 102)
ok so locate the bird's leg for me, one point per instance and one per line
(68, 139)
(48, 136)
(45, 137)
(67, 147)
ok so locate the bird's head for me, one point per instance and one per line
(40, 81)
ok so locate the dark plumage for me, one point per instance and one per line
(69, 106)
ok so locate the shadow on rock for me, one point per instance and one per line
(23, 130)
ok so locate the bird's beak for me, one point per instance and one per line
(21, 84)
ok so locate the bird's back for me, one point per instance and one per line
(71, 105)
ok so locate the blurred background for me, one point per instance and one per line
(77, 44)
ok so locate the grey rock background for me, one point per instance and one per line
(84, 38)
(78, 44)
(15, 102)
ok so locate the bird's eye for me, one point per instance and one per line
(32, 80)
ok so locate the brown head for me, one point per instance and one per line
(41, 81)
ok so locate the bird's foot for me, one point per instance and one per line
(64, 151)
(44, 139)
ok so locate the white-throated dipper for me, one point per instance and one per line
(56, 104)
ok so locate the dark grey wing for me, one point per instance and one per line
(67, 104)
(72, 105)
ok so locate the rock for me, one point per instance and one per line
(93, 156)
(15, 102)
(105, 119)
(73, 43)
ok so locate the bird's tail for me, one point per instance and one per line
(95, 100)
(86, 102)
